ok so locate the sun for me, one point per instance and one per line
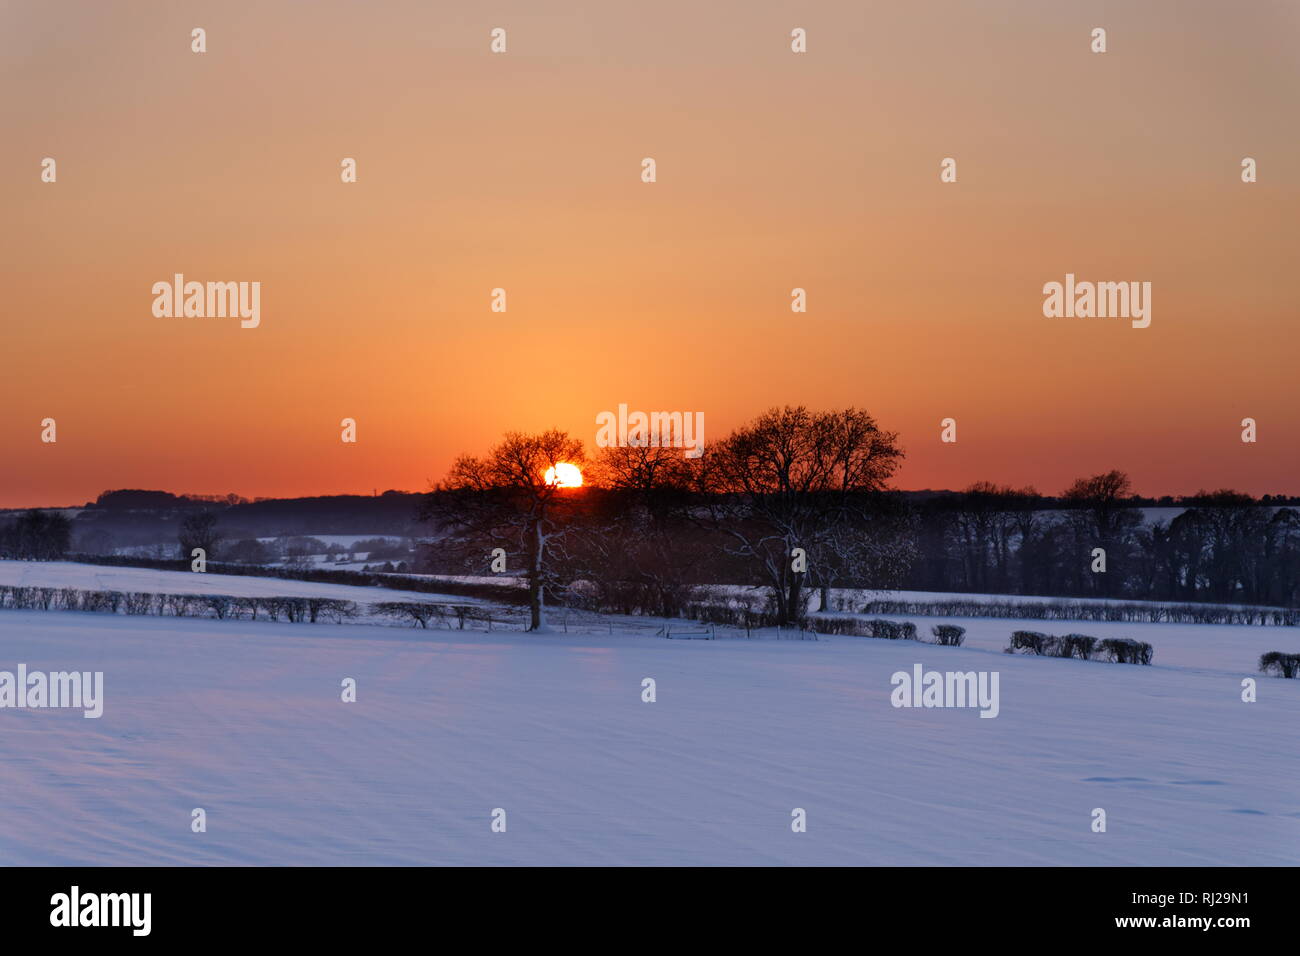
(564, 475)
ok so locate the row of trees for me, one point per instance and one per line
(36, 536)
(1224, 546)
(793, 500)
(799, 501)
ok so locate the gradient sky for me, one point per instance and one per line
(522, 170)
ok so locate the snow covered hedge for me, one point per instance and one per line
(887, 630)
(742, 613)
(1129, 612)
(500, 593)
(293, 609)
(1122, 650)
(948, 634)
(1284, 665)
(893, 630)
(422, 612)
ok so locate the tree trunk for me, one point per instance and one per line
(825, 599)
(536, 610)
(791, 610)
(535, 605)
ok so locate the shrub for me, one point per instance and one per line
(138, 602)
(1065, 609)
(104, 602)
(1122, 649)
(219, 604)
(949, 635)
(1275, 662)
(893, 630)
(501, 593)
(1077, 645)
(1125, 650)
(181, 605)
(417, 612)
(738, 613)
(330, 609)
(840, 625)
(1031, 642)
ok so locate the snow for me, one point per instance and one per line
(244, 719)
(93, 577)
(342, 540)
(861, 596)
(1205, 647)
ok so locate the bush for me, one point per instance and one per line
(893, 630)
(181, 605)
(950, 635)
(850, 626)
(1031, 642)
(738, 613)
(417, 612)
(331, 609)
(500, 593)
(294, 609)
(1275, 662)
(655, 597)
(138, 602)
(1133, 612)
(1077, 645)
(1125, 650)
(219, 606)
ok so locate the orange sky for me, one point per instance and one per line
(522, 170)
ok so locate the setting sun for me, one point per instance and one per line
(568, 476)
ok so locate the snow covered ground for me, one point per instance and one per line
(342, 540)
(244, 719)
(68, 574)
(857, 598)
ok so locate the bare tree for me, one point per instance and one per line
(505, 500)
(872, 546)
(199, 531)
(789, 480)
(637, 547)
(1103, 517)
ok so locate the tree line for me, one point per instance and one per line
(36, 536)
(799, 502)
(1224, 546)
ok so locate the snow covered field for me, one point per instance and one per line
(245, 720)
(857, 598)
(68, 574)
(342, 540)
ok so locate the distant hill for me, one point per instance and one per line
(134, 517)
